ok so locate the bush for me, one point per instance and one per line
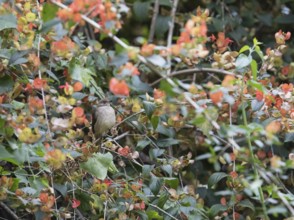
(204, 111)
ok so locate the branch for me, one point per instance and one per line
(9, 211)
(153, 22)
(40, 75)
(196, 70)
(163, 211)
(170, 33)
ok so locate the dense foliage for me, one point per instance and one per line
(203, 94)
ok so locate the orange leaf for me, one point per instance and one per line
(274, 127)
(147, 50)
(228, 81)
(78, 86)
(216, 97)
(119, 87)
(43, 197)
(39, 83)
(78, 112)
(259, 96)
(124, 151)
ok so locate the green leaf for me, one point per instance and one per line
(141, 214)
(169, 132)
(61, 188)
(162, 199)
(142, 144)
(199, 119)
(80, 73)
(215, 178)
(289, 137)
(52, 75)
(49, 11)
(79, 95)
(17, 105)
(154, 121)
(99, 164)
(172, 182)
(162, 25)
(153, 215)
(18, 58)
(155, 184)
(256, 42)
(215, 209)
(49, 24)
(118, 48)
(8, 21)
(139, 86)
(149, 108)
(5, 53)
(167, 142)
(155, 153)
(101, 60)
(167, 88)
(259, 52)
(97, 202)
(168, 169)
(146, 170)
(256, 85)
(246, 204)
(141, 10)
(6, 84)
(243, 61)
(244, 48)
(7, 156)
(253, 65)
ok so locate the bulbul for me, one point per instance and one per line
(103, 117)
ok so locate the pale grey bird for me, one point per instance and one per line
(103, 118)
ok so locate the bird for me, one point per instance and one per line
(103, 118)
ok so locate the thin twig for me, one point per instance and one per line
(169, 215)
(170, 33)
(9, 211)
(121, 135)
(105, 212)
(153, 22)
(269, 179)
(254, 165)
(169, 43)
(40, 75)
(196, 70)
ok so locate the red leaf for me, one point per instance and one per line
(75, 203)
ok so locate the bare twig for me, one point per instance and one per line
(170, 33)
(269, 178)
(169, 215)
(153, 22)
(9, 211)
(285, 201)
(40, 75)
(196, 70)
(80, 215)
